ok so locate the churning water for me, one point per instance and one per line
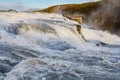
(41, 46)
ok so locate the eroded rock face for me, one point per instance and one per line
(78, 27)
(78, 19)
(75, 18)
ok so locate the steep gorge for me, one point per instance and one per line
(102, 15)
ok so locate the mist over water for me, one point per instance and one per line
(41, 46)
(107, 17)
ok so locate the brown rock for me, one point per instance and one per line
(78, 27)
(78, 19)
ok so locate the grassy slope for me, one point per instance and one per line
(84, 8)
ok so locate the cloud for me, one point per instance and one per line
(16, 6)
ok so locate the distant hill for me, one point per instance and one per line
(10, 10)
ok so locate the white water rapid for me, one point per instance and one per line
(42, 46)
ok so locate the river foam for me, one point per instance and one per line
(42, 46)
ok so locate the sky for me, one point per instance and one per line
(35, 4)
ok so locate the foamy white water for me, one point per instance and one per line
(42, 46)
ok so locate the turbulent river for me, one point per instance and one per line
(41, 46)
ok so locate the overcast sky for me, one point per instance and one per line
(33, 4)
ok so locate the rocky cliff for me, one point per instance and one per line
(102, 14)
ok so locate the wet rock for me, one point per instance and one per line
(78, 19)
(78, 27)
(100, 44)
